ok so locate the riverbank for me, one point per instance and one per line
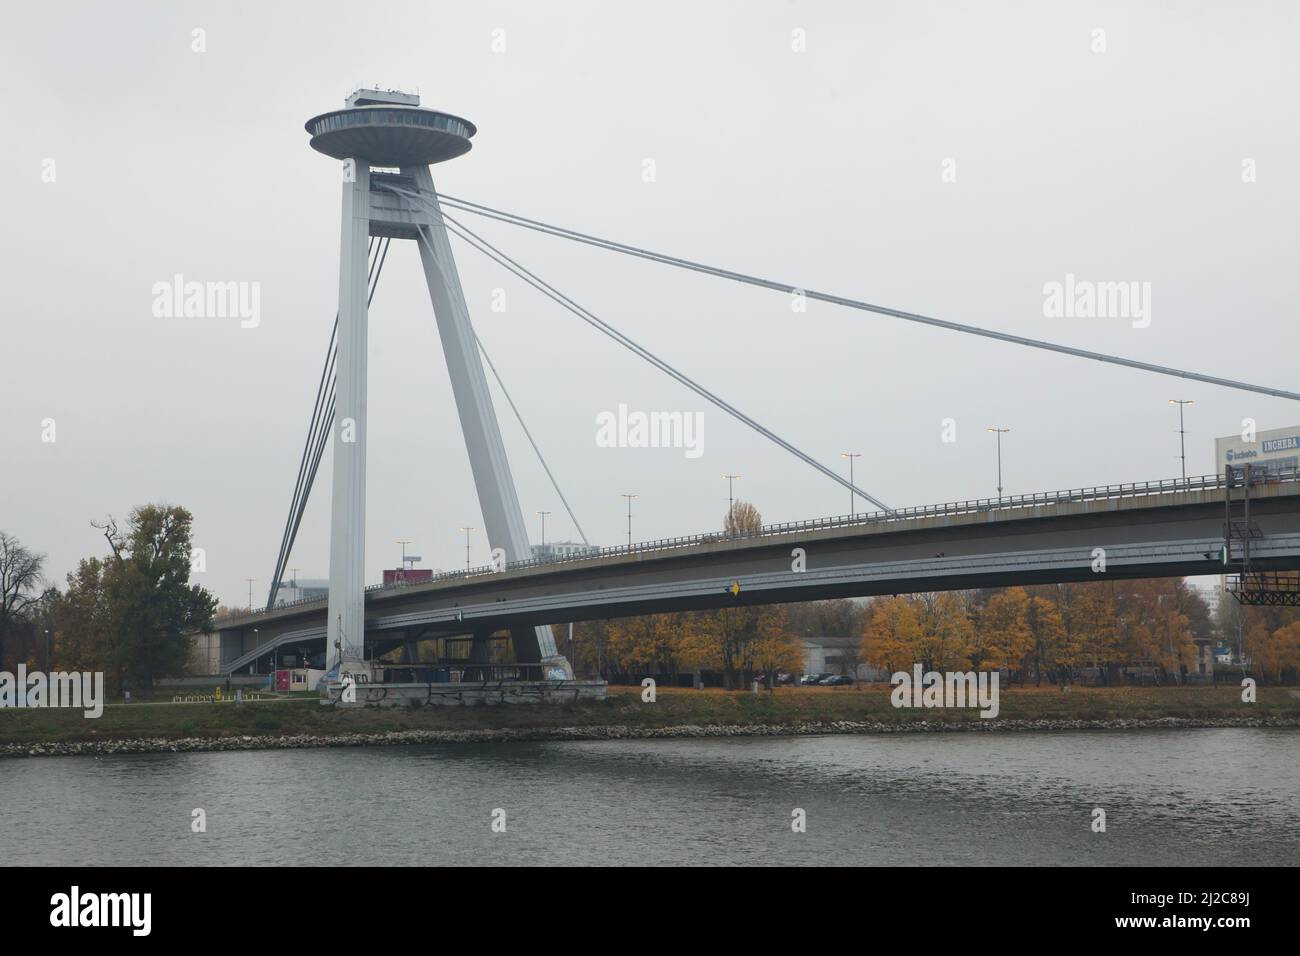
(409, 737)
(304, 723)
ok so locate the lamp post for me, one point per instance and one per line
(250, 592)
(731, 499)
(629, 498)
(1182, 444)
(850, 455)
(467, 531)
(542, 515)
(47, 651)
(999, 432)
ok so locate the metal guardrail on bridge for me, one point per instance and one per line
(1134, 489)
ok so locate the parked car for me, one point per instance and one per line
(836, 680)
(811, 679)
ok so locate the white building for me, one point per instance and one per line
(554, 550)
(1272, 451)
(835, 655)
(303, 589)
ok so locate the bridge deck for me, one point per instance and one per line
(1153, 530)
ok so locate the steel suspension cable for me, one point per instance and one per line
(322, 421)
(308, 446)
(609, 244)
(485, 247)
(529, 435)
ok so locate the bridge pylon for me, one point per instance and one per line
(387, 142)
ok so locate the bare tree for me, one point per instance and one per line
(851, 657)
(743, 518)
(20, 580)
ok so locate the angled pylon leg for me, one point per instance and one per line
(487, 456)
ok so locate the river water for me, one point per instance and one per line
(1178, 797)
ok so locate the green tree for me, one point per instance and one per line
(136, 609)
(82, 616)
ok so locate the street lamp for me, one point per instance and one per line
(629, 518)
(543, 515)
(1000, 432)
(403, 543)
(250, 592)
(467, 531)
(731, 499)
(850, 455)
(47, 651)
(1182, 445)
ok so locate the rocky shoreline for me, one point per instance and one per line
(139, 745)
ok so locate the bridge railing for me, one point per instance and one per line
(1133, 489)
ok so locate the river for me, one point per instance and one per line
(1171, 797)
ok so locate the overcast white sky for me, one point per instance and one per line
(819, 168)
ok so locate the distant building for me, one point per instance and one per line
(1210, 590)
(554, 550)
(1273, 451)
(303, 589)
(1205, 658)
(296, 679)
(835, 655)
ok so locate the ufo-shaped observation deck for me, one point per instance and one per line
(389, 135)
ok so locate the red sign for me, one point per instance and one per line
(407, 575)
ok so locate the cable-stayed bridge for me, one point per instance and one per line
(386, 143)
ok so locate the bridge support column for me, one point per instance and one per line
(346, 622)
(487, 456)
(480, 652)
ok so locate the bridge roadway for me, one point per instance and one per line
(1147, 530)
